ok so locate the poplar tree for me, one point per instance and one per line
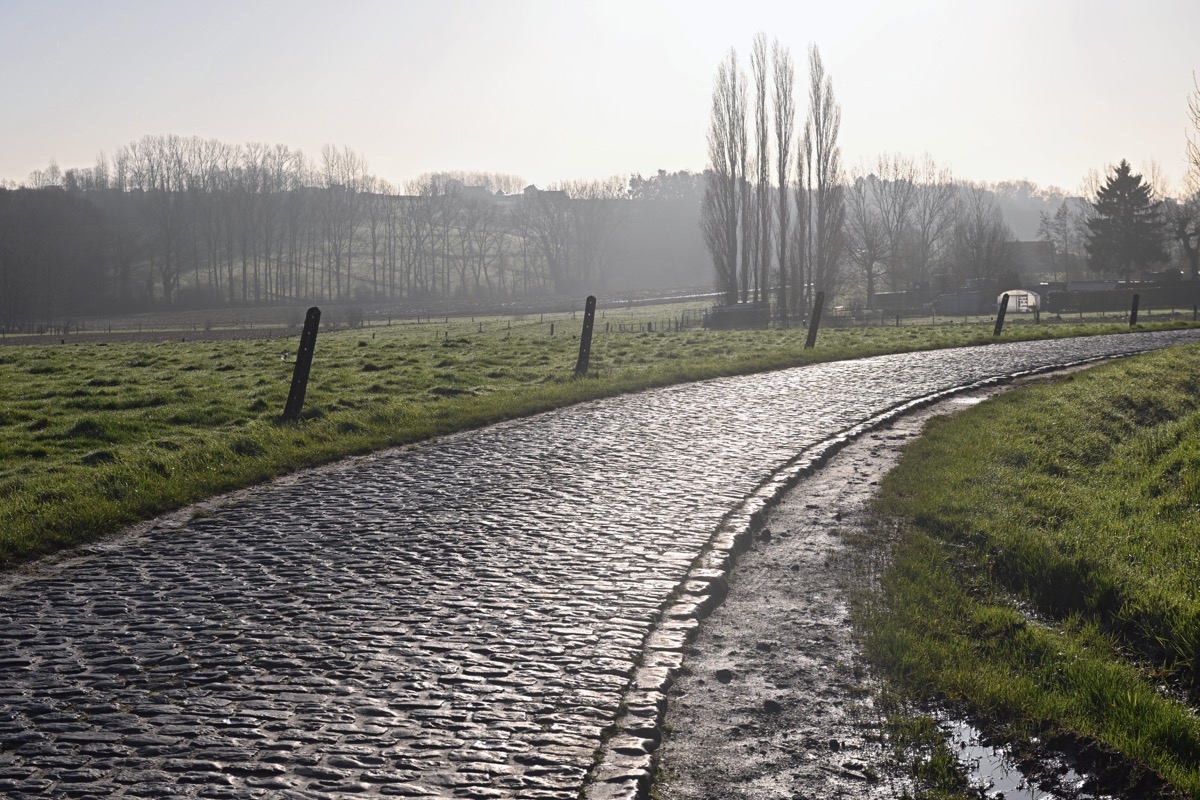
(725, 198)
(785, 115)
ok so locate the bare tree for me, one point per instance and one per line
(421, 224)
(724, 199)
(1192, 181)
(344, 173)
(1183, 223)
(410, 247)
(1157, 179)
(483, 235)
(825, 176)
(546, 220)
(802, 231)
(1061, 230)
(895, 189)
(157, 167)
(100, 173)
(596, 208)
(762, 162)
(785, 119)
(1183, 215)
(982, 239)
(443, 197)
(932, 221)
(280, 180)
(213, 193)
(377, 201)
(867, 246)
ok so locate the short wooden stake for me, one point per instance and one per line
(1000, 315)
(308, 342)
(585, 339)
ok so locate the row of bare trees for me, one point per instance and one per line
(773, 211)
(911, 227)
(807, 227)
(172, 221)
(780, 218)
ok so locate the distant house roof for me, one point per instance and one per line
(550, 194)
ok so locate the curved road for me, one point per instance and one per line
(463, 619)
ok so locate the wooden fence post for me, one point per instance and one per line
(308, 341)
(1000, 315)
(585, 339)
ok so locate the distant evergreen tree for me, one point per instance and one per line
(1126, 229)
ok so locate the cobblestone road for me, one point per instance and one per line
(463, 619)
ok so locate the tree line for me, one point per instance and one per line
(176, 221)
(782, 219)
(189, 222)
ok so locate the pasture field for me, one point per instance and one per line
(94, 436)
(1045, 565)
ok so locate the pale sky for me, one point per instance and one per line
(553, 90)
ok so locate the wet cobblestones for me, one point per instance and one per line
(463, 619)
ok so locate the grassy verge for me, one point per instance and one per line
(1046, 572)
(93, 437)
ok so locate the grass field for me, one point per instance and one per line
(96, 436)
(1046, 572)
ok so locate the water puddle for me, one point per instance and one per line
(995, 773)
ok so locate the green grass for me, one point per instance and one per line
(1047, 569)
(95, 436)
(921, 752)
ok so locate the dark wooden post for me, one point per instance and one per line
(585, 339)
(308, 341)
(815, 323)
(1000, 315)
(1133, 311)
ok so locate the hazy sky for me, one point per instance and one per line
(555, 90)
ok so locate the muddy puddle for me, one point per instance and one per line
(998, 775)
